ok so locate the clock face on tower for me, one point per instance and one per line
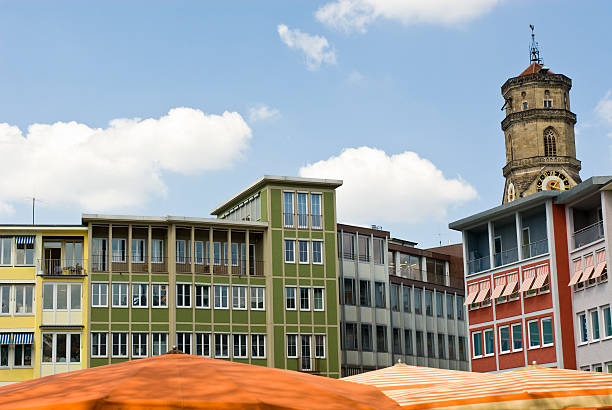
(511, 193)
(553, 181)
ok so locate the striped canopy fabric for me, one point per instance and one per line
(23, 338)
(5, 338)
(24, 240)
(528, 388)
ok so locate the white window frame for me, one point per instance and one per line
(257, 296)
(203, 336)
(484, 342)
(120, 258)
(199, 301)
(300, 243)
(139, 286)
(127, 344)
(529, 334)
(184, 336)
(314, 307)
(287, 337)
(239, 297)
(93, 299)
(501, 351)
(181, 303)
(8, 303)
(199, 259)
(159, 285)
(14, 304)
(474, 355)
(222, 337)
(308, 289)
(293, 200)
(259, 338)
(294, 298)
(157, 258)
(586, 323)
(552, 343)
(137, 257)
(319, 243)
(125, 285)
(286, 250)
(316, 339)
(97, 352)
(603, 321)
(312, 212)
(240, 337)
(219, 297)
(593, 329)
(68, 308)
(11, 241)
(512, 326)
(140, 336)
(68, 348)
(159, 336)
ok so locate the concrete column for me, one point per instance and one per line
(171, 263)
(211, 248)
(149, 240)
(109, 251)
(491, 231)
(128, 251)
(230, 266)
(518, 225)
(192, 250)
(247, 246)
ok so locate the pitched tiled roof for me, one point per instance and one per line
(533, 68)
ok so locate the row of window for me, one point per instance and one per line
(61, 348)
(589, 270)
(15, 252)
(304, 251)
(539, 334)
(410, 346)
(16, 299)
(198, 343)
(289, 208)
(291, 298)
(350, 248)
(349, 297)
(61, 296)
(18, 355)
(248, 210)
(589, 325)
(598, 367)
(159, 296)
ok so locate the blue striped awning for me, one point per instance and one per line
(23, 338)
(5, 338)
(24, 240)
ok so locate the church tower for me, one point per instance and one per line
(539, 131)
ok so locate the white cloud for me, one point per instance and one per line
(356, 15)
(316, 49)
(118, 167)
(604, 107)
(354, 77)
(263, 112)
(381, 188)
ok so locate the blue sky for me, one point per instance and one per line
(428, 85)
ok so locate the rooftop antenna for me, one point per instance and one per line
(534, 48)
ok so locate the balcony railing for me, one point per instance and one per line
(288, 220)
(506, 257)
(120, 263)
(588, 234)
(535, 248)
(63, 267)
(99, 263)
(302, 221)
(159, 264)
(364, 257)
(315, 222)
(478, 265)
(348, 255)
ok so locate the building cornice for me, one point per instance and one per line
(538, 114)
(541, 79)
(538, 162)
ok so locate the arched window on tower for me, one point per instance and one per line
(547, 99)
(524, 96)
(550, 143)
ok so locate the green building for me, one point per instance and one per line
(257, 284)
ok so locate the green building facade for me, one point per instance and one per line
(257, 284)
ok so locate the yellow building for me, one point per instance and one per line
(43, 301)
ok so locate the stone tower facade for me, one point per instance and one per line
(539, 133)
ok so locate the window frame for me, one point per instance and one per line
(512, 327)
(93, 284)
(529, 332)
(257, 298)
(319, 243)
(501, 349)
(301, 261)
(139, 286)
(141, 336)
(222, 336)
(288, 336)
(221, 306)
(289, 252)
(127, 344)
(182, 304)
(199, 344)
(259, 336)
(159, 285)
(32, 287)
(486, 332)
(240, 295)
(240, 337)
(96, 352)
(552, 331)
(120, 285)
(474, 355)
(594, 328)
(183, 336)
(153, 337)
(199, 300)
(308, 290)
(294, 298)
(314, 298)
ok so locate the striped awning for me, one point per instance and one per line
(5, 338)
(23, 338)
(24, 240)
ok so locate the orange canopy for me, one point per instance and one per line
(188, 382)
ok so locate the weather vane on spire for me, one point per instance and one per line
(534, 48)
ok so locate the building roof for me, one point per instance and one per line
(591, 185)
(534, 68)
(170, 219)
(379, 233)
(267, 179)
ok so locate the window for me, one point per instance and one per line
(350, 336)
(183, 295)
(408, 342)
(25, 253)
(62, 296)
(315, 210)
(461, 341)
(139, 294)
(99, 294)
(291, 346)
(240, 345)
(120, 295)
(379, 294)
(349, 291)
(550, 146)
(584, 335)
(290, 302)
(317, 252)
(439, 304)
(160, 343)
(159, 295)
(477, 344)
(289, 251)
(397, 340)
(441, 346)
(317, 299)
(428, 302)
(183, 342)
(258, 346)
(258, 298)
(534, 334)
(61, 347)
(395, 289)
(598, 368)
(450, 303)
(22, 357)
(303, 251)
(5, 297)
(364, 248)
(138, 251)
(221, 345)
(98, 344)
(304, 298)
(365, 298)
(504, 339)
(348, 245)
(366, 338)
(547, 99)
(5, 250)
(24, 295)
(379, 251)
(220, 294)
(451, 348)
(202, 296)
(239, 297)
(288, 209)
(302, 211)
(524, 105)
(181, 250)
(199, 253)
(381, 338)
(119, 250)
(547, 332)
(594, 324)
(418, 301)
(305, 343)
(431, 352)
(319, 346)
(157, 250)
(120, 344)
(517, 337)
(4, 351)
(420, 345)
(139, 344)
(202, 341)
(607, 319)
(460, 308)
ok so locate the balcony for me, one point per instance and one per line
(478, 265)
(63, 267)
(158, 264)
(536, 248)
(506, 257)
(588, 234)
